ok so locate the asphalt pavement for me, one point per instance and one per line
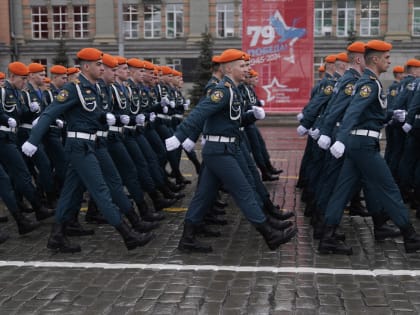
(240, 276)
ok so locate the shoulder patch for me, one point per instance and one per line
(216, 96)
(348, 90)
(365, 91)
(62, 96)
(393, 93)
(328, 89)
(227, 84)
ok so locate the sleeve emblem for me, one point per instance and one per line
(365, 91)
(216, 96)
(62, 96)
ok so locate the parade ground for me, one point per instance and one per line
(240, 276)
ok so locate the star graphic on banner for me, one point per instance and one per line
(269, 87)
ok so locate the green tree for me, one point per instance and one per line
(61, 57)
(202, 73)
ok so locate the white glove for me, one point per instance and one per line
(172, 104)
(259, 112)
(29, 149)
(314, 133)
(165, 109)
(324, 142)
(59, 123)
(337, 149)
(140, 119)
(299, 117)
(301, 131)
(399, 115)
(152, 116)
(187, 104)
(406, 127)
(35, 121)
(34, 107)
(125, 119)
(12, 122)
(110, 119)
(203, 140)
(172, 143)
(188, 145)
(262, 102)
(164, 101)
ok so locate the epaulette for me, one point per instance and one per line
(227, 84)
(372, 77)
(75, 81)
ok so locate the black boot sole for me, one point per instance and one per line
(284, 240)
(61, 249)
(192, 249)
(335, 251)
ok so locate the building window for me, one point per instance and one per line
(130, 21)
(225, 20)
(40, 22)
(346, 17)
(174, 63)
(369, 18)
(152, 21)
(416, 18)
(174, 20)
(81, 21)
(323, 18)
(59, 24)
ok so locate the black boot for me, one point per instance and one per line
(4, 219)
(169, 194)
(273, 170)
(266, 176)
(218, 211)
(93, 215)
(24, 224)
(220, 203)
(330, 244)
(204, 230)
(179, 179)
(188, 242)
(411, 238)
(59, 242)
(275, 212)
(160, 203)
(131, 238)
(278, 224)
(197, 164)
(211, 218)
(148, 214)
(42, 213)
(51, 199)
(139, 225)
(74, 228)
(274, 238)
(382, 230)
(173, 187)
(3, 237)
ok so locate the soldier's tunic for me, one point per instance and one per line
(78, 102)
(360, 132)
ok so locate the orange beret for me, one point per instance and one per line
(398, 69)
(253, 73)
(357, 47)
(121, 60)
(321, 68)
(47, 80)
(89, 54)
(331, 58)
(247, 57)
(176, 73)
(231, 55)
(378, 45)
(36, 67)
(18, 68)
(342, 57)
(166, 70)
(215, 59)
(72, 70)
(148, 65)
(135, 62)
(109, 61)
(413, 63)
(58, 69)
(2, 75)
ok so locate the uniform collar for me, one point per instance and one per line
(370, 73)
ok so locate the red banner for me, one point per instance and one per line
(279, 37)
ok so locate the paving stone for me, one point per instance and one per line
(306, 303)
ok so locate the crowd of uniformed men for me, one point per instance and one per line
(115, 128)
(342, 161)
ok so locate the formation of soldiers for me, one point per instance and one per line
(342, 159)
(113, 127)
